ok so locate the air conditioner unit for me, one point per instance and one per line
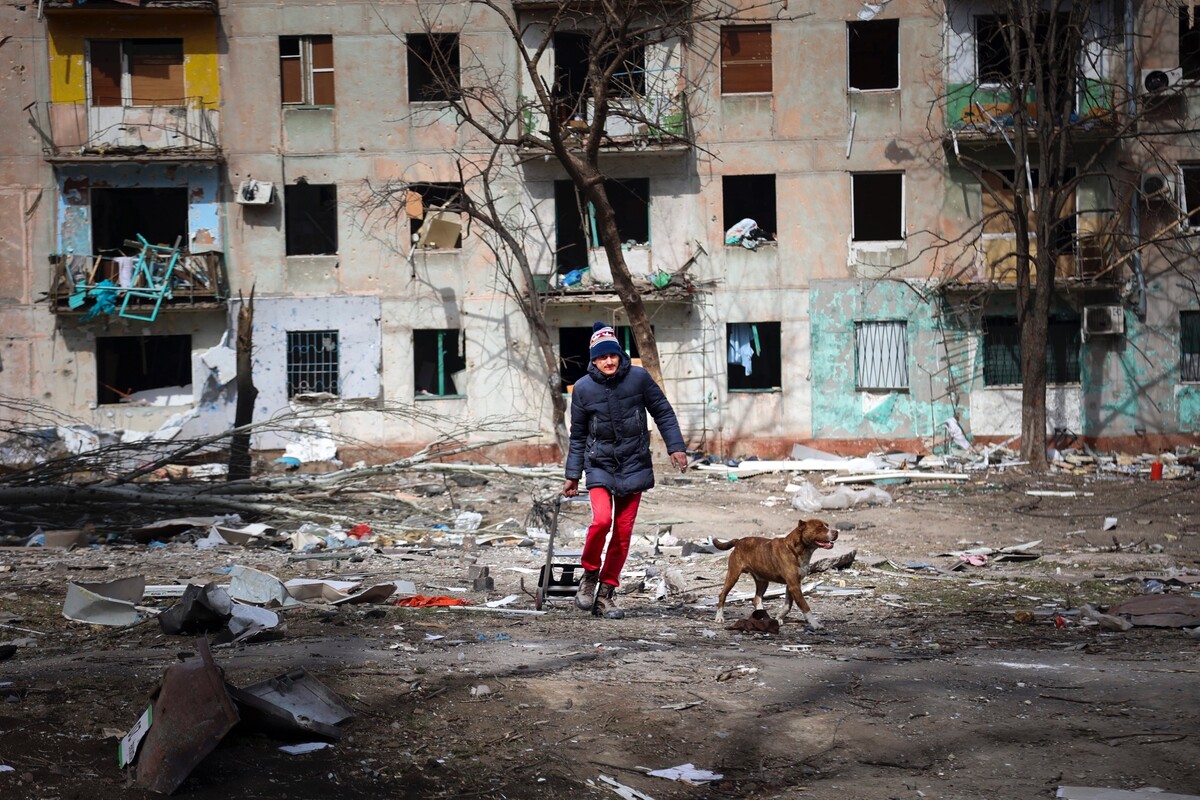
(255, 193)
(1157, 186)
(1103, 320)
(1158, 80)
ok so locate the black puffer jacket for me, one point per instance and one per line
(610, 438)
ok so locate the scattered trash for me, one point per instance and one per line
(687, 773)
(739, 671)
(202, 609)
(1110, 523)
(301, 749)
(759, 621)
(107, 603)
(292, 704)
(623, 791)
(421, 601)
(1160, 610)
(481, 690)
(468, 521)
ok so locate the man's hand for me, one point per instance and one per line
(680, 461)
(570, 489)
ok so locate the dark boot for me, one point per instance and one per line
(586, 593)
(606, 603)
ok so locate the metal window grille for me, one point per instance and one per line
(312, 362)
(881, 355)
(1002, 352)
(1189, 346)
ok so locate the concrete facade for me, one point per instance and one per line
(812, 299)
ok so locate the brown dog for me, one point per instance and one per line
(784, 560)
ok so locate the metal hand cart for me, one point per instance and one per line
(563, 570)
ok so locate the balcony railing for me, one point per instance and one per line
(645, 122)
(1093, 262)
(92, 285)
(986, 111)
(79, 131)
(128, 5)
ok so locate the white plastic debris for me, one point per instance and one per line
(468, 521)
(687, 773)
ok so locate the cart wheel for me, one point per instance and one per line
(537, 599)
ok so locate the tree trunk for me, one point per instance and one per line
(610, 237)
(247, 393)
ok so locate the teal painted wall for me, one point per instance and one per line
(838, 410)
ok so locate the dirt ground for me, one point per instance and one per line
(922, 683)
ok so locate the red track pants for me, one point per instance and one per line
(606, 507)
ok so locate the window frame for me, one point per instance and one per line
(126, 55)
(445, 362)
(293, 371)
(773, 357)
(1062, 334)
(292, 223)
(883, 332)
(435, 44)
(1189, 335)
(730, 65)
(851, 26)
(308, 71)
(1189, 46)
(440, 191)
(1190, 216)
(854, 225)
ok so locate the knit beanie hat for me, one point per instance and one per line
(604, 341)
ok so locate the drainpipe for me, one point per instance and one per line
(1135, 207)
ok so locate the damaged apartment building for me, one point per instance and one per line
(808, 243)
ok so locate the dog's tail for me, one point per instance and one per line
(727, 545)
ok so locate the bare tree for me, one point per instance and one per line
(1050, 107)
(572, 119)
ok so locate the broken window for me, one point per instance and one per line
(136, 72)
(306, 70)
(576, 219)
(1190, 194)
(749, 197)
(878, 199)
(433, 67)
(128, 364)
(437, 356)
(755, 363)
(745, 59)
(881, 355)
(1002, 352)
(120, 214)
(573, 351)
(312, 363)
(1189, 346)
(1189, 44)
(994, 52)
(873, 54)
(571, 61)
(310, 219)
(435, 215)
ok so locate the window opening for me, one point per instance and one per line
(878, 199)
(306, 70)
(749, 209)
(1002, 352)
(1189, 44)
(1191, 194)
(312, 363)
(993, 56)
(433, 67)
(136, 72)
(1189, 346)
(755, 358)
(310, 219)
(119, 215)
(437, 356)
(881, 355)
(128, 364)
(745, 59)
(576, 219)
(873, 54)
(573, 351)
(435, 215)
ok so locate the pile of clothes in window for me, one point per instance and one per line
(747, 234)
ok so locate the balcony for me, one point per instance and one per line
(79, 132)
(985, 112)
(91, 285)
(1094, 263)
(648, 123)
(60, 6)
